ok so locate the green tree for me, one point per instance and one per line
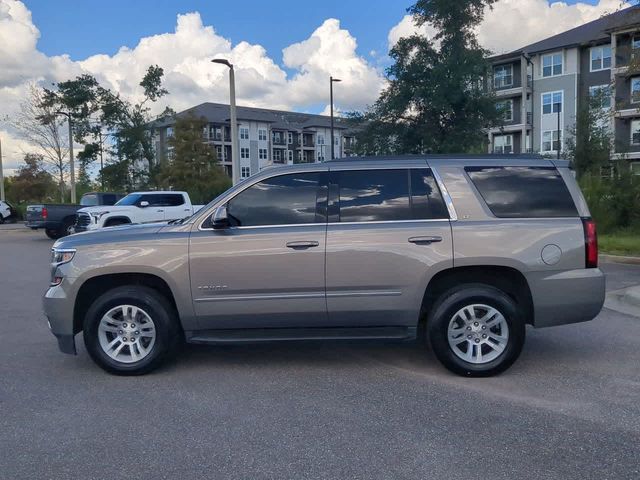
(32, 183)
(192, 166)
(94, 109)
(590, 141)
(436, 100)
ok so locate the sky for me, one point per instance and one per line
(284, 50)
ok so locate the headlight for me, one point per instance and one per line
(62, 255)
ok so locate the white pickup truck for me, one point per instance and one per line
(137, 207)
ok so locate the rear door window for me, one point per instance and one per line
(389, 195)
(523, 192)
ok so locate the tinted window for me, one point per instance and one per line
(283, 200)
(89, 200)
(108, 199)
(131, 199)
(374, 195)
(426, 200)
(172, 200)
(516, 192)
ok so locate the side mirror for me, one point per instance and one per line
(144, 204)
(220, 219)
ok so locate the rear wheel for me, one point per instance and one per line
(130, 330)
(52, 234)
(476, 330)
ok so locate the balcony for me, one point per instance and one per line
(278, 140)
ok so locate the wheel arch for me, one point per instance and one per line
(94, 286)
(508, 279)
(119, 218)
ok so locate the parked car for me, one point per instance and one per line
(58, 219)
(461, 251)
(6, 211)
(137, 207)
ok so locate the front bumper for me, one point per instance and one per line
(58, 308)
(569, 296)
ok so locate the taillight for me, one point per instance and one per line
(45, 214)
(590, 243)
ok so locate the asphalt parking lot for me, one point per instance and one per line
(569, 408)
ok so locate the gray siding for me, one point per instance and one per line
(589, 78)
(566, 83)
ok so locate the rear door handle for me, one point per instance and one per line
(424, 240)
(302, 245)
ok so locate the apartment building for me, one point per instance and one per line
(265, 137)
(541, 87)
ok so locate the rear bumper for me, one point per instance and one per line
(58, 309)
(42, 224)
(566, 297)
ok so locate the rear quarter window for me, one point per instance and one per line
(523, 192)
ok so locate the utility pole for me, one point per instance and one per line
(1, 175)
(235, 164)
(72, 168)
(559, 138)
(333, 143)
(101, 161)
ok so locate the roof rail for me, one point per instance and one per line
(442, 156)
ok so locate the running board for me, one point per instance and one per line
(257, 335)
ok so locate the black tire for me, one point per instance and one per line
(446, 307)
(158, 308)
(52, 234)
(67, 227)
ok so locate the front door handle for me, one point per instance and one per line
(302, 245)
(424, 240)
(160, 211)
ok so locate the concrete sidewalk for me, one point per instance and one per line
(626, 300)
(13, 226)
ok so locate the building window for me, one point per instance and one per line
(289, 138)
(262, 153)
(262, 134)
(219, 152)
(245, 172)
(635, 168)
(551, 102)
(169, 132)
(635, 42)
(244, 133)
(503, 144)
(635, 132)
(277, 155)
(505, 109)
(600, 96)
(635, 90)
(290, 156)
(551, 141)
(600, 58)
(336, 140)
(503, 76)
(244, 152)
(552, 64)
(321, 156)
(320, 139)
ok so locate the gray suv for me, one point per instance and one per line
(458, 252)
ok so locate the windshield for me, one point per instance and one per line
(130, 199)
(89, 200)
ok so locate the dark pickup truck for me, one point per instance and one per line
(58, 219)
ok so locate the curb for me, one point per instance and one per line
(619, 259)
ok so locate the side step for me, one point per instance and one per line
(257, 335)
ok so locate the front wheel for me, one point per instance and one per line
(476, 330)
(130, 330)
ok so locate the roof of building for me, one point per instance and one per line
(279, 119)
(591, 32)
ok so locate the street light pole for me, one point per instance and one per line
(235, 165)
(333, 143)
(1, 175)
(72, 169)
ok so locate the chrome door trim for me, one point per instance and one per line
(277, 296)
(370, 293)
(376, 222)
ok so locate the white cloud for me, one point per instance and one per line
(185, 55)
(515, 23)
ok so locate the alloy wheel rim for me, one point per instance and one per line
(478, 333)
(126, 333)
